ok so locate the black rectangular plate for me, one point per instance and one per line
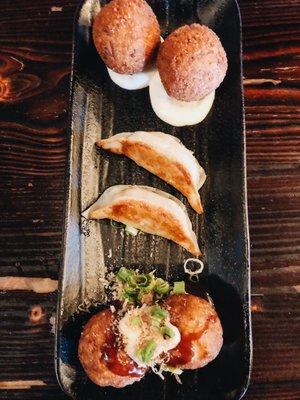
(100, 109)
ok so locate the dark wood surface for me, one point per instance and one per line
(35, 55)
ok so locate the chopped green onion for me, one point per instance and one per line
(167, 331)
(131, 230)
(129, 297)
(132, 291)
(161, 287)
(145, 353)
(179, 288)
(143, 280)
(158, 312)
(124, 274)
(192, 271)
(155, 322)
(136, 321)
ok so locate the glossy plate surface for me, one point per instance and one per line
(101, 109)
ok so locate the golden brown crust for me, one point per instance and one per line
(193, 315)
(126, 35)
(159, 222)
(160, 165)
(191, 62)
(92, 339)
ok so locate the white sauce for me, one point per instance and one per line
(140, 80)
(135, 336)
(175, 112)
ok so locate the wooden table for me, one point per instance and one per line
(35, 55)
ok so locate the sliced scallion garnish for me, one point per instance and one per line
(190, 270)
(142, 280)
(132, 291)
(158, 312)
(167, 331)
(124, 274)
(161, 287)
(179, 287)
(155, 322)
(129, 297)
(145, 353)
(136, 321)
(131, 230)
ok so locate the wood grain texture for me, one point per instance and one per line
(35, 54)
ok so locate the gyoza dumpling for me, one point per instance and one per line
(163, 155)
(149, 210)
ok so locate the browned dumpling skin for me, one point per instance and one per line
(103, 361)
(163, 155)
(200, 329)
(148, 209)
(126, 35)
(191, 62)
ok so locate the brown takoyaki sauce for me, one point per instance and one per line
(116, 360)
(183, 353)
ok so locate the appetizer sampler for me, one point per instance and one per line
(163, 155)
(152, 325)
(149, 210)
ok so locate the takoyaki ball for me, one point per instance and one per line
(101, 355)
(200, 329)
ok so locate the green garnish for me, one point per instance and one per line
(167, 331)
(179, 288)
(143, 281)
(131, 230)
(145, 353)
(161, 287)
(137, 285)
(136, 321)
(158, 312)
(155, 322)
(124, 274)
(129, 298)
(131, 291)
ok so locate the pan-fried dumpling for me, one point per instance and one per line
(149, 210)
(163, 155)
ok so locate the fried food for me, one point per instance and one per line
(126, 34)
(191, 62)
(200, 329)
(163, 155)
(149, 210)
(103, 360)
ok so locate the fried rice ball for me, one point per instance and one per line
(126, 35)
(99, 360)
(200, 329)
(191, 62)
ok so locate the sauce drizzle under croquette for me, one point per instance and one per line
(117, 361)
(183, 353)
